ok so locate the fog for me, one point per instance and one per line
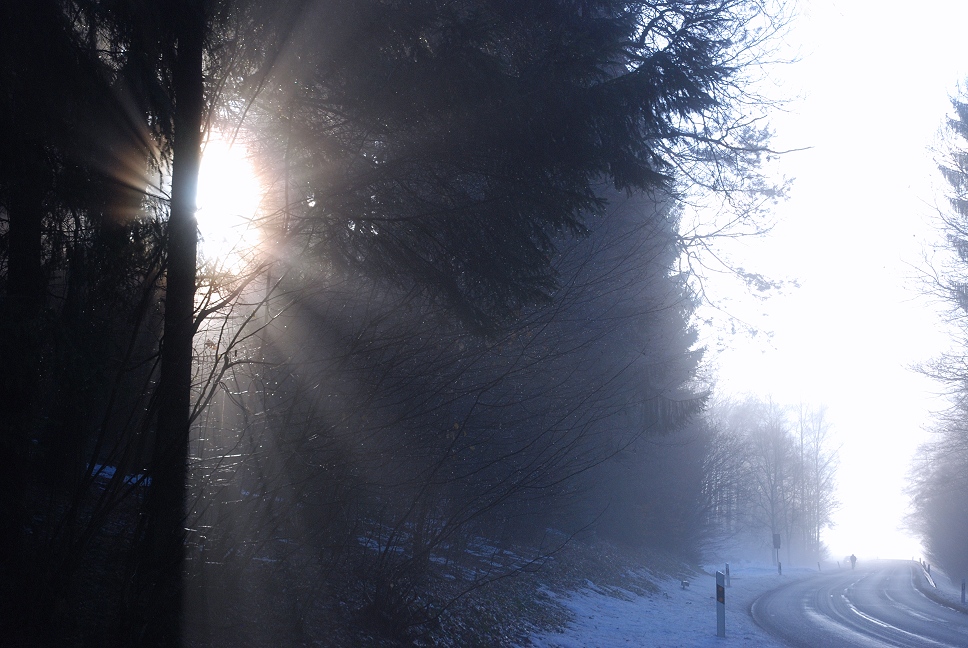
(873, 90)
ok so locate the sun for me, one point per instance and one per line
(228, 201)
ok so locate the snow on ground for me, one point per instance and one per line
(672, 617)
(942, 588)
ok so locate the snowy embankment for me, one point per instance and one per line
(673, 616)
(938, 586)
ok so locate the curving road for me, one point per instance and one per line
(877, 604)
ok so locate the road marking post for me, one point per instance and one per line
(720, 604)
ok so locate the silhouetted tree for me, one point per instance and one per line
(72, 174)
(375, 403)
(444, 146)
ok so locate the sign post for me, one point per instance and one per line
(720, 604)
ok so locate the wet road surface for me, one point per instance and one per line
(876, 604)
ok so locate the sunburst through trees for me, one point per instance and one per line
(449, 290)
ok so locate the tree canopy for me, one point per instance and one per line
(468, 297)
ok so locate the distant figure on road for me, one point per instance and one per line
(853, 560)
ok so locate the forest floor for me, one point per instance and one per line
(599, 596)
(652, 607)
(585, 595)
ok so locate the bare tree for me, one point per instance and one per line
(772, 474)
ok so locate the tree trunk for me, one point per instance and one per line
(160, 580)
(21, 348)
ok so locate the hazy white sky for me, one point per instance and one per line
(874, 80)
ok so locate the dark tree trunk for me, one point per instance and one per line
(25, 271)
(21, 347)
(160, 581)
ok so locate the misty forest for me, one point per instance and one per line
(452, 348)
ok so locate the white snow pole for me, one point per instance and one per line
(720, 604)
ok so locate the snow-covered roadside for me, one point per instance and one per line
(671, 617)
(939, 586)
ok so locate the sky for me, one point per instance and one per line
(867, 97)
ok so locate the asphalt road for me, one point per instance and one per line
(876, 604)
